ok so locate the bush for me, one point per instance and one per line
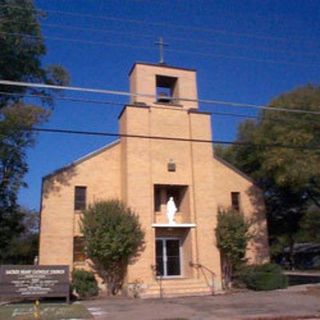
(84, 283)
(113, 240)
(232, 236)
(267, 276)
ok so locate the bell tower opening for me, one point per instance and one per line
(166, 89)
(158, 85)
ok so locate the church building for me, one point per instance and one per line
(173, 161)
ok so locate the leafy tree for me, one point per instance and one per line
(23, 249)
(14, 140)
(22, 48)
(113, 238)
(310, 226)
(232, 236)
(289, 177)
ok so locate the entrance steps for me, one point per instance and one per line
(177, 288)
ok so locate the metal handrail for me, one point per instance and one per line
(202, 268)
(158, 278)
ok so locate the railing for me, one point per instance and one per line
(158, 278)
(202, 269)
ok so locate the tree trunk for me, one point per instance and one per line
(291, 253)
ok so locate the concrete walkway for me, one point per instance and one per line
(297, 302)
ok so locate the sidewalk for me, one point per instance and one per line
(300, 303)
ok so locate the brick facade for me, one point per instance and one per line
(132, 169)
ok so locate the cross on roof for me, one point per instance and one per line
(161, 45)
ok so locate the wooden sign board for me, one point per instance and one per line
(28, 281)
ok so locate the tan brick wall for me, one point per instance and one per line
(228, 180)
(143, 81)
(59, 222)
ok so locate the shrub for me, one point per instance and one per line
(84, 284)
(113, 240)
(232, 236)
(267, 276)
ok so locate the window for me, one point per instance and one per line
(80, 195)
(166, 89)
(78, 249)
(235, 200)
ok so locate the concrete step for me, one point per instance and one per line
(168, 283)
(177, 293)
(178, 288)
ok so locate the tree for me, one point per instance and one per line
(232, 236)
(310, 226)
(23, 249)
(113, 239)
(289, 177)
(15, 138)
(22, 48)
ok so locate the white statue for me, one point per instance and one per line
(171, 211)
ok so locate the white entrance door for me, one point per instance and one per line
(168, 257)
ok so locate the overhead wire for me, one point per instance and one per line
(122, 93)
(105, 102)
(77, 40)
(207, 54)
(122, 135)
(174, 38)
(130, 94)
(162, 24)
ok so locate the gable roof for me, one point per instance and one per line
(233, 168)
(82, 159)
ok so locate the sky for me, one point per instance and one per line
(246, 51)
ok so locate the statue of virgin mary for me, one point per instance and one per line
(171, 211)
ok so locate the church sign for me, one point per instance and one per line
(28, 281)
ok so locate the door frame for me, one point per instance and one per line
(164, 239)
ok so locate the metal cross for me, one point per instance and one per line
(161, 45)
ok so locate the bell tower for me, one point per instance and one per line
(162, 85)
(159, 160)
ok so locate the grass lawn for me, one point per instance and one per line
(48, 311)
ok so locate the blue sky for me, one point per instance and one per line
(244, 50)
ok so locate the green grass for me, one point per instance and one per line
(48, 311)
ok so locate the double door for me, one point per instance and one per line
(168, 257)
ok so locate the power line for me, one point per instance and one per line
(207, 54)
(121, 135)
(71, 99)
(77, 40)
(163, 24)
(216, 55)
(224, 44)
(105, 102)
(128, 94)
(174, 38)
